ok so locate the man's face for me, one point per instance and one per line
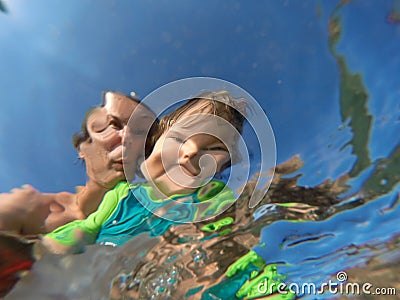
(111, 144)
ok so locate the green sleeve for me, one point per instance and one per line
(218, 198)
(68, 234)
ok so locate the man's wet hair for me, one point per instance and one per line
(79, 137)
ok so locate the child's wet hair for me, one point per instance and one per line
(220, 103)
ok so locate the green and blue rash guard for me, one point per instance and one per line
(122, 214)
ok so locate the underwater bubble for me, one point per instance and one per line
(161, 284)
(199, 257)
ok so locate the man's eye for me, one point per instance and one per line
(99, 128)
(115, 124)
(99, 125)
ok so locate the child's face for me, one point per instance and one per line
(186, 155)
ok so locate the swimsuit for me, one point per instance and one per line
(127, 211)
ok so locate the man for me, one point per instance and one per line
(101, 145)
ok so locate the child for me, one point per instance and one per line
(206, 128)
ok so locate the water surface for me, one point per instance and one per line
(326, 74)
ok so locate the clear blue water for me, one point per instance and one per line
(57, 57)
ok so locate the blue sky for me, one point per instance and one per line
(57, 56)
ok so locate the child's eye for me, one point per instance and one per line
(217, 148)
(177, 139)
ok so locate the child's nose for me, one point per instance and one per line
(190, 150)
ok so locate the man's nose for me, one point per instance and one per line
(124, 134)
(117, 138)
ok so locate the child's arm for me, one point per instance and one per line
(77, 244)
(74, 236)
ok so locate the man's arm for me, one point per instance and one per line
(24, 210)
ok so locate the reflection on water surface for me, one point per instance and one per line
(301, 227)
